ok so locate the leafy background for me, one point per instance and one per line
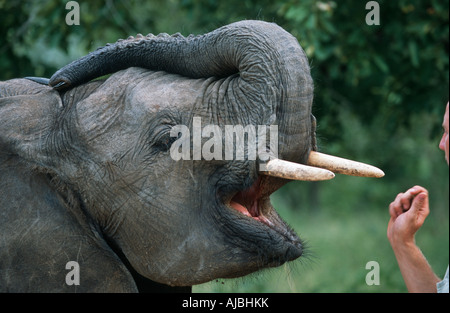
(380, 94)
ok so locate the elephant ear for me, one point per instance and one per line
(28, 111)
(36, 222)
(30, 120)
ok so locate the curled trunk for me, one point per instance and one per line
(273, 81)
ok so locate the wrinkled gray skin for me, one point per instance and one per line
(86, 174)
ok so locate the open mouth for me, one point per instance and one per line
(253, 204)
(254, 201)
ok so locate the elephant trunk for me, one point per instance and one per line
(273, 71)
(273, 80)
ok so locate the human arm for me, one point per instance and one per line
(408, 212)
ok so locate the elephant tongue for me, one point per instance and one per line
(248, 201)
(239, 207)
(255, 213)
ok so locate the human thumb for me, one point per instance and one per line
(420, 203)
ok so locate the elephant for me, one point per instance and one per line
(87, 176)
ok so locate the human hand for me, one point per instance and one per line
(408, 212)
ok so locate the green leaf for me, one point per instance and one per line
(380, 63)
(413, 53)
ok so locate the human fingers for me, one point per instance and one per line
(395, 207)
(420, 204)
(407, 198)
(403, 201)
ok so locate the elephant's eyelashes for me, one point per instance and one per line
(164, 142)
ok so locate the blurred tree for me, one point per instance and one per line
(394, 69)
(35, 39)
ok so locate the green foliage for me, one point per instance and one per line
(338, 248)
(380, 93)
(399, 66)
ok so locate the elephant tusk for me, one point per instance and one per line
(343, 166)
(294, 171)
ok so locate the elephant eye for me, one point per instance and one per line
(164, 142)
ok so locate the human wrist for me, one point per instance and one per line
(402, 240)
(404, 246)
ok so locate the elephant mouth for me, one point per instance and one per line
(254, 202)
(256, 221)
(263, 230)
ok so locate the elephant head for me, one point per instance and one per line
(106, 145)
